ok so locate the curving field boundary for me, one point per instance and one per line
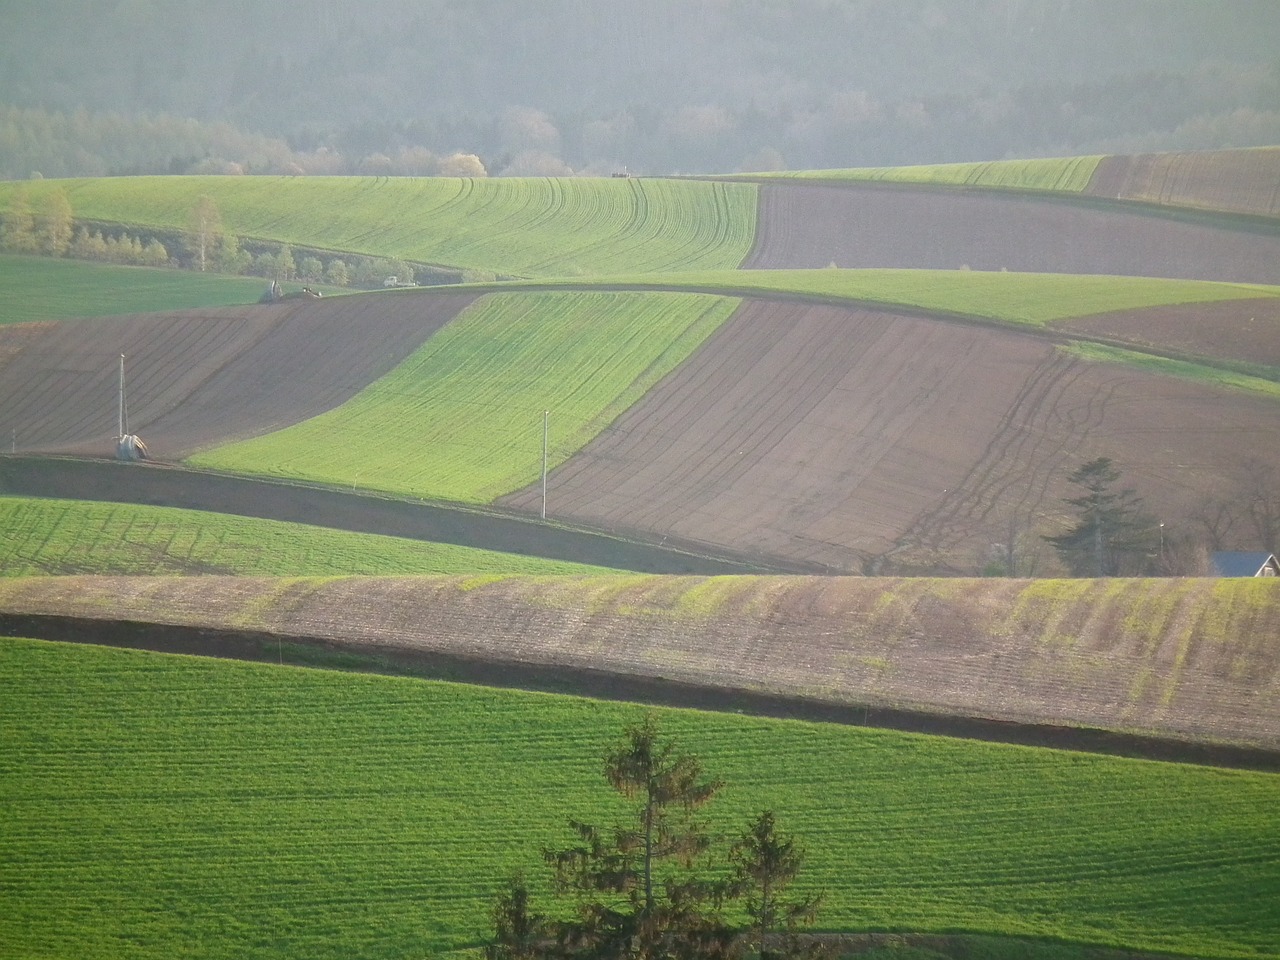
(1187, 661)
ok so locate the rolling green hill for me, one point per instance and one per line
(462, 418)
(157, 805)
(75, 537)
(533, 227)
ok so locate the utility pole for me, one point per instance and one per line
(546, 415)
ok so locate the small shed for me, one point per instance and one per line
(1240, 563)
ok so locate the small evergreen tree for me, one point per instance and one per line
(1113, 535)
(765, 864)
(639, 894)
(647, 888)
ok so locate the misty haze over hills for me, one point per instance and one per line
(663, 86)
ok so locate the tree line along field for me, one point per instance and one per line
(523, 227)
(63, 537)
(462, 418)
(159, 804)
(42, 288)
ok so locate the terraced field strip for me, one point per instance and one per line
(78, 537)
(158, 804)
(41, 288)
(462, 418)
(1027, 299)
(1065, 174)
(512, 226)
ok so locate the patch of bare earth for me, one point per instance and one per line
(866, 441)
(1242, 330)
(1237, 181)
(1185, 659)
(872, 225)
(196, 378)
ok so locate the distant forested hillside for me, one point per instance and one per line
(559, 86)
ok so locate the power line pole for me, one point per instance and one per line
(546, 415)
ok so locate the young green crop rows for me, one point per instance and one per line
(462, 419)
(40, 288)
(157, 806)
(1064, 174)
(72, 537)
(534, 227)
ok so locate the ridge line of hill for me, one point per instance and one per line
(602, 684)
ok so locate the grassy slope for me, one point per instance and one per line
(1034, 299)
(1067, 174)
(73, 537)
(40, 288)
(1262, 386)
(462, 418)
(534, 227)
(160, 805)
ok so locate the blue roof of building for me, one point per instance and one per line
(1241, 563)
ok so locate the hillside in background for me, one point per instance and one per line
(177, 86)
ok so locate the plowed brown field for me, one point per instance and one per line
(201, 377)
(866, 441)
(1240, 330)
(1191, 659)
(1240, 181)
(858, 225)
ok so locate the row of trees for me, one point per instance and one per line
(652, 886)
(46, 227)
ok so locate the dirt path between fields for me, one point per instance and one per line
(172, 486)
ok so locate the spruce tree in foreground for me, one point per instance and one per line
(649, 887)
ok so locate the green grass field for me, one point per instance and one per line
(1034, 299)
(73, 537)
(41, 288)
(1065, 174)
(462, 418)
(158, 806)
(533, 227)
